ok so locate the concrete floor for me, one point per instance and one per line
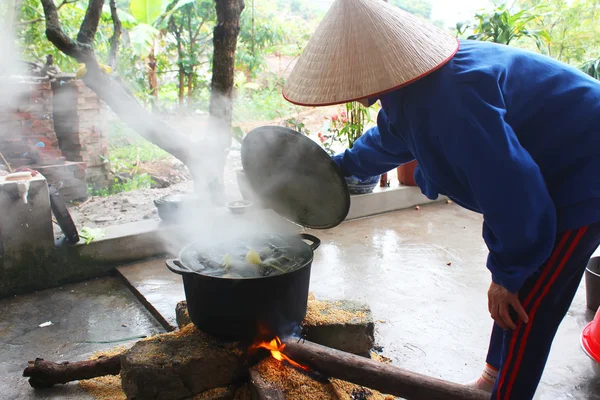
(431, 317)
(92, 311)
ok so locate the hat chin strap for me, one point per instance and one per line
(367, 101)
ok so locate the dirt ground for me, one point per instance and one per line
(100, 212)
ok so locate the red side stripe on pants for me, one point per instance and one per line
(515, 370)
(541, 279)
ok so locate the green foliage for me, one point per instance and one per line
(91, 234)
(346, 127)
(573, 27)
(264, 104)
(592, 68)
(143, 35)
(259, 34)
(146, 11)
(128, 184)
(142, 38)
(503, 26)
(297, 125)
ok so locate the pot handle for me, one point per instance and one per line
(176, 266)
(315, 242)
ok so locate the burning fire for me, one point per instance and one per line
(276, 347)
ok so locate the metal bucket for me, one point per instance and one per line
(592, 284)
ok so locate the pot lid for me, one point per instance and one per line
(295, 177)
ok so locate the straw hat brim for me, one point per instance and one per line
(366, 48)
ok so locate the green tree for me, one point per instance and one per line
(503, 26)
(260, 34)
(573, 28)
(189, 24)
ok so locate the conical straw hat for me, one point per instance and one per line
(364, 48)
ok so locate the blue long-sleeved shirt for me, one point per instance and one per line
(511, 134)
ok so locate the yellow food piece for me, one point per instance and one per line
(227, 261)
(253, 257)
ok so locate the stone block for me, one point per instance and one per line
(181, 314)
(343, 325)
(180, 365)
(26, 227)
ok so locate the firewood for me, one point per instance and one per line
(45, 374)
(374, 375)
(262, 390)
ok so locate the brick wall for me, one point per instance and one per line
(28, 137)
(27, 134)
(80, 124)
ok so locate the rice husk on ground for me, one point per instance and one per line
(105, 387)
(326, 312)
(296, 384)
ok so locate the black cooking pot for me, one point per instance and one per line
(247, 308)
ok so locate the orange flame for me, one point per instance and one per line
(276, 347)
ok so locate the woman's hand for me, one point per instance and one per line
(499, 300)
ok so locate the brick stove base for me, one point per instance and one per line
(70, 177)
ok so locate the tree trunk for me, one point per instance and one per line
(177, 31)
(181, 93)
(190, 89)
(153, 78)
(225, 37)
(116, 37)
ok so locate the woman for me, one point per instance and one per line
(507, 133)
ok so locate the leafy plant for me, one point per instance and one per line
(354, 126)
(592, 68)
(345, 127)
(91, 234)
(297, 125)
(502, 26)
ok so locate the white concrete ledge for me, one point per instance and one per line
(384, 200)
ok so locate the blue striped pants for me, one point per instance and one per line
(521, 355)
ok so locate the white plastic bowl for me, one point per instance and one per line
(239, 206)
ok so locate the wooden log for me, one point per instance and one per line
(261, 389)
(45, 374)
(382, 377)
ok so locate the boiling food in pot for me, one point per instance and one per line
(254, 259)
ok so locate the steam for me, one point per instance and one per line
(199, 219)
(9, 62)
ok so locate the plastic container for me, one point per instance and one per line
(239, 206)
(592, 284)
(590, 342)
(406, 173)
